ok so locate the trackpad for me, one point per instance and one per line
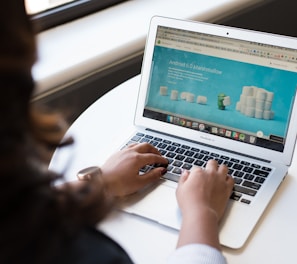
(157, 203)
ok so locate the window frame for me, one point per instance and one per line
(64, 13)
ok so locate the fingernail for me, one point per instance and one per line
(164, 171)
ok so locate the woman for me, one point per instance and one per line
(45, 223)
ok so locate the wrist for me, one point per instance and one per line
(199, 226)
(200, 213)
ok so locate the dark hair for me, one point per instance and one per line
(37, 217)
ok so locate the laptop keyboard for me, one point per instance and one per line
(248, 176)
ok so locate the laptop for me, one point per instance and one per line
(214, 92)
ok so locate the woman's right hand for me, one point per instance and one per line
(202, 195)
(210, 187)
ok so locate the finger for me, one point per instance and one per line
(184, 176)
(152, 175)
(196, 170)
(230, 181)
(223, 169)
(150, 158)
(211, 165)
(146, 148)
(131, 145)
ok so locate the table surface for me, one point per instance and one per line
(100, 130)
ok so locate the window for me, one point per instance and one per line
(37, 6)
(49, 13)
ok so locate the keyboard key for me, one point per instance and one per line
(235, 196)
(261, 173)
(198, 156)
(170, 161)
(237, 166)
(187, 166)
(246, 201)
(256, 166)
(162, 152)
(207, 158)
(244, 190)
(195, 149)
(266, 169)
(169, 168)
(237, 180)
(136, 138)
(177, 171)
(185, 147)
(170, 155)
(238, 174)
(180, 150)
(154, 143)
(249, 177)
(171, 176)
(245, 163)
(189, 160)
(199, 163)
(177, 163)
(252, 185)
(147, 140)
(220, 161)
(231, 172)
(162, 145)
(215, 155)
(189, 153)
(171, 148)
(248, 169)
(259, 180)
(228, 163)
(179, 157)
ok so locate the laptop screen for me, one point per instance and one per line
(231, 88)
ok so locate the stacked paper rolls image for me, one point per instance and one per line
(255, 102)
(187, 96)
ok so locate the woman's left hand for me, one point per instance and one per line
(121, 171)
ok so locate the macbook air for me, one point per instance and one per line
(214, 92)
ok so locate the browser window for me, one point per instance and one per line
(231, 88)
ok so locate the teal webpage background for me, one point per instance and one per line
(209, 76)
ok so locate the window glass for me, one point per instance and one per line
(50, 13)
(37, 6)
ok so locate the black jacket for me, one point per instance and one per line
(93, 247)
